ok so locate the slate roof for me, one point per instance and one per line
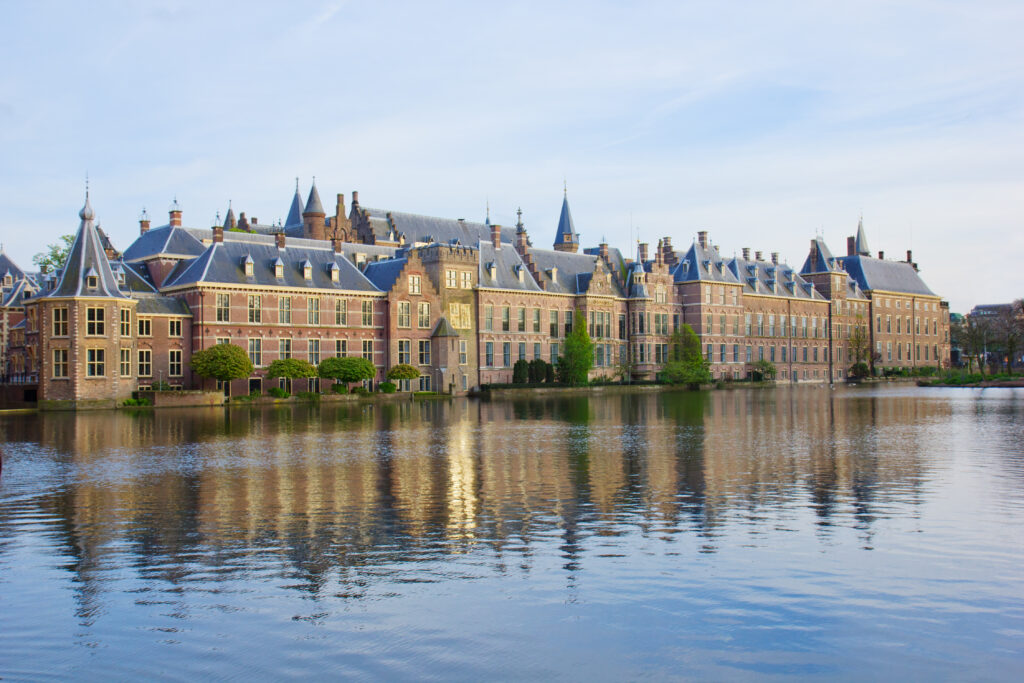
(572, 272)
(222, 263)
(86, 258)
(295, 211)
(15, 295)
(418, 228)
(9, 266)
(565, 225)
(636, 287)
(509, 270)
(891, 276)
(861, 241)
(819, 259)
(702, 264)
(313, 204)
(384, 273)
(179, 242)
(162, 305)
(765, 277)
(443, 329)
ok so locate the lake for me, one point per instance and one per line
(794, 532)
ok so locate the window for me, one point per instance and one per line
(567, 317)
(368, 349)
(126, 322)
(404, 316)
(126, 363)
(424, 382)
(60, 362)
(145, 327)
(506, 354)
(145, 363)
(467, 280)
(424, 351)
(341, 347)
(709, 351)
(450, 279)
(312, 311)
(223, 306)
(94, 319)
(463, 352)
(404, 351)
(622, 325)
(888, 323)
(554, 353)
(489, 354)
(414, 284)
(314, 351)
(95, 364)
(489, 318)
(223, 340)
(284, 310)
(536, 350)
(522, 320)
(522, 351)
(174, 363)
(255, 305)
(92, 281)
(423, 315)
(553, 324)
(284, 348)
(783, 352)
(735, 353)
(505, 319)
(746, 324)
(536, 320)
(256, 352)
(341, 312)
(721, 353)
(174, 328)
(367, 314)
(60, 324)
(750, 354)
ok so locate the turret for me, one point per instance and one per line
(313, 216)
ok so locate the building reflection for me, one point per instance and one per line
(334, 491)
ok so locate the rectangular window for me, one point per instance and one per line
(367, 314)
(256, 352)
(771, 353)
(368, 349)
(805, 354)
(536, 320)
(746, 324)
(404, 314)
(489, 318)
(94, 322)
(414, 284)
(467, 280)
(522, 351)
(341, 348)
(709, 352)
(145, 327)
(424, 351)
(284, 348)
(423, 315)
(284, 310)
(174, 363)
(341, 312)
(60, 324)
(126, 323)
(424, 382)
(522, 320)
(174, 328)
(783, 352)
(554, 354)
(404, 351)
(536, 350)
(750, 354)
(255, 308)
(553, 324)
(450, 279)
(60, 361)
(506, 354)
(568, 322)
(489, 354)
(126, 363)
(145, 363)
(506, 318)
(312, 311)
(463, 352)
(314, 351)
(95, 363)
(223, 308)
(721, 353)
(735, 353)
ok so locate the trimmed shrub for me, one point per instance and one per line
(362, 391)
(549, 373)
(387, 387)
(129, 402)
(278, 392)
(339, 388)
(520, 372)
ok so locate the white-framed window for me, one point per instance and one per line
(126, 322)
(414, 284)
(174, 328)
(284, 310)
(95, 363)
(284, 347)
(404, 351)
(314, 351)
(341, 347)
(367, 314)
(404, 314)
(256, 352)
(95, 322)
(341, 312)
(368, 349)
(423, 315)
(467, 280)
(126, 363)
(174, 366)
(60, 322)
(450, 280)
(424, 351)
(255, 306)
(463, 352)
(145, 327)
(312, 311)
(145, 363)
(223, 306)
(60, 363)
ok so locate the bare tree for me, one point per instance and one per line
(1008, 330)
(975, 335)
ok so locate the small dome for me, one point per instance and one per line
(86, 214)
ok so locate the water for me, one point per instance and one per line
(786, 533)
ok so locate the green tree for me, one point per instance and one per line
(290, 368)
(346, 370)
(577, 354)
(222, 362)
(521, 371)
(764, 369)
(55, 254)
(403, 371)
(537, 371)
(686, 365)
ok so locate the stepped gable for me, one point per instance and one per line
(86, 259)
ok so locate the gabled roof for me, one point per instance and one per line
(508, 271)
(765, 277)
(443, 329)
(295, 212)
(9, 266)
(383, 274)
(86, 258)
(702, 264)
(565, 225)
(167, 240)
(22, 289)
(890, 276)
(819, 259)
(565, 272)
(418, 228)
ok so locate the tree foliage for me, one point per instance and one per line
(577, 355)
(860, 342)
(222, 362)
(764, 369)
(403, 371)
(686, 365)
(521, 371)
(974, 334)
(55, 254)
(346, 370)
(290, 368)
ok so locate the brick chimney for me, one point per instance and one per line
(336, 243)
(143, 223)
(496, 236)
(775, 258)
(814, 256)
(702, 239)
(278, 239)
(670, 256)
(746, 253)
(910, 256)
(758, 256)
(602, 249)
(881, 256)
(218, 233)
(175, 213)
(355, 197)
(643, 252)
(851, 245)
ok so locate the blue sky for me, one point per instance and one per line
(763, 123)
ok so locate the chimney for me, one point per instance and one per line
(669, 256)
(643, 252)
(243, 222)
(758, 256)
(144, 224)
(851, 245)
(175, 214)
(278, 239)
(910, 257)
(881, 256)
(702, 239)
(746, 253)
(218, 234)
(602, 249)
(336, 244)
(355, 197)
(496, 236)
(775, 258)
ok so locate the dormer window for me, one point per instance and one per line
(8, 280)
(334, 271)
(307, 270)
(120, 277)
(247, 265)
(492, 269)
(91, 279)
(278, 269)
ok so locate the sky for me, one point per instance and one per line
(764, 123)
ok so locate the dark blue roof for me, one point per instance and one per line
(565, 225)
(295, 212)
(313, 204)
(890, 276)
(86, 258)
(164, 240)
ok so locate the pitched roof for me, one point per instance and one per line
(566, 272)
(765, 277)
(86, 259)
(295, 212)
(565, 225)
(443, 329)
(819, 259)
(384, 273)
(890, 276)
(167, 240)
(9, 266)
(418, 228)
(702, 264)
(503, 268)
(313, 204)
(861, 243)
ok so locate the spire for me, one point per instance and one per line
(295, 212)
(86, 271)
(487, 221)
(861, 244)
(229, 218)
(566, 238)
(519, 221)
(313, 205)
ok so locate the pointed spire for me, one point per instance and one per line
(86, 270)
(487, 221)
(566, 238)
(295, 212)
(519, 221)
(313, 205)
(861, 244)
(229, 218)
